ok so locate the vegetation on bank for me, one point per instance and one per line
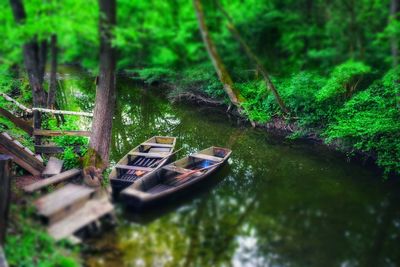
(28, 244)
(352, 105)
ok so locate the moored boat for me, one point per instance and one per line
(141, 161)
(175, 178)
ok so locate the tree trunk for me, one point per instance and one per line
(224, 77)
(100, 138)
(53, 72)
(5, 189)
(394, 42)
(34, 59)
(250, 54)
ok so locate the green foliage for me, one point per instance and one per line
(343, 80)
(255, 93)
(153, 75)
(371, 121)
(69, 143)
(30, 245)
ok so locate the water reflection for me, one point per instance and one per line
(277, 203)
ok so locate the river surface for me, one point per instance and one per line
(276, 203)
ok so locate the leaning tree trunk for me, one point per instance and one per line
(224, 77)
(250, 54)
(394, 41)
(53, 72)
(100, 137)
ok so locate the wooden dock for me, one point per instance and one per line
(69, 208)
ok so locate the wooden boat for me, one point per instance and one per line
(175, 178)
(142, 161)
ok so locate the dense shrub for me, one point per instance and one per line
(371, 122)
(343, 81)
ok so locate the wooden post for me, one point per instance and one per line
(5, 183)
(37, 125)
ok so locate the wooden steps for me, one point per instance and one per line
(206, 157)
(90, 212)
(21, 155)
(53, 167)
(52, 180)
(54, 206)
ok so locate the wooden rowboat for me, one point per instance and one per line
(175, 178)
(141, 161)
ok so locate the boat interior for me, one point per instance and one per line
(183, 170)
(144, 158)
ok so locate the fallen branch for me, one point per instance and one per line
(196, 98)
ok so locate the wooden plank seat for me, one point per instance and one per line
(176, 169)
(206, 157)
(157, 145)
(52, 180)
(136, 168)
(60, 203)
(53, 167)
(93, 210)
(150, 155)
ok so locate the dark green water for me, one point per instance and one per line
(277, 202)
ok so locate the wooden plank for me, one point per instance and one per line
(136, 168)
(28, 110)
(3, 260)
(20, 156)
(206, 157)
(63, 202)
(53, 167)
(157, 145)
(52, 180)
(5, 194)
(149, 155)
(51, 149)
(159, 188)
(38, 132)
(176, 169)
(93, 210)
(23, 125)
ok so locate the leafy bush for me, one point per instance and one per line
(299, 95)
(153, 75)
(343, 80)
(71, 159)
(256, 104)
(371, 122)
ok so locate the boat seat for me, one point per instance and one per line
(150, 155)
(157, 145)
(206, 157)
(136, 168)
(159, 149)
(176, 169)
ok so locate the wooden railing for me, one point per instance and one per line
(35, 130)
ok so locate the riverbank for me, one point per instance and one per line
(363, 126)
